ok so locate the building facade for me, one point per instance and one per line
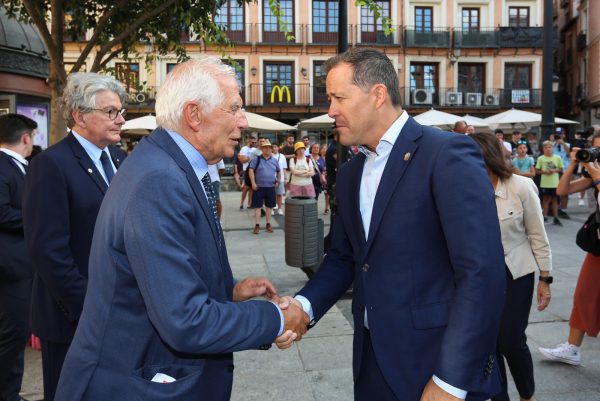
(464, 56)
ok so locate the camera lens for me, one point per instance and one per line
(587, 155)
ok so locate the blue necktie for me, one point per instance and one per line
(210, 195)
(107, 167)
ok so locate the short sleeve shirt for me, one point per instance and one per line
(546, 163)
(266, 173)
(523, 165)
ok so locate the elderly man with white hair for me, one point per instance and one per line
(163, 314)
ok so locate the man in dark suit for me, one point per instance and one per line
(418, 237)
(163, 313)
(63, 192)
(16, 142)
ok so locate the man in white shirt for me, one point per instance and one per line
(245, 155)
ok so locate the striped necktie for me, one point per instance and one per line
(210, 195)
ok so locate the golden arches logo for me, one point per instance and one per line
(281, 90)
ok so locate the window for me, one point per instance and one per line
(170, 67)
(319, 90)
(325, 21)
(471, 77)
(423, 75)
(230, 18)
(470, 19)
(271, 30)
(239, 75)
(129, 75)
(372, 29)
(279, 83)
(518, 17)
(424, 19)
(517, 76)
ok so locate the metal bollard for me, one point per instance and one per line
(303, 233)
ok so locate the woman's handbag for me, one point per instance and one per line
(588, 236)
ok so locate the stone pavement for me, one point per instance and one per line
(319, 367)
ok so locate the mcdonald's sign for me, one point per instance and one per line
(281, 90)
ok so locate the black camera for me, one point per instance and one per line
(588, 155)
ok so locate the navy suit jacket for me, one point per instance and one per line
(63, 193)
(431, 274)
(159, 291)
(14, 261)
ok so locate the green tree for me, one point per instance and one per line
(116, 27)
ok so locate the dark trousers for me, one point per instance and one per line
(53, 357)
(14, 333)
(370, 385)
(512, 341)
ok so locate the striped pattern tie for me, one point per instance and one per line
(210, 195)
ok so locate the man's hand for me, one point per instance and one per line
(295, 319)
(254, 187)
(432, 392)
(286, 340)
(253, 287)
(543, 295)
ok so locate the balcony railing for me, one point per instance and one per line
(366, 34)
(438, 37)
(485, 98)
(280, 96)
(320, 34)
(475, 38)
(520, 37)
(270, 34)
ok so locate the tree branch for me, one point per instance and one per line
(112, 55)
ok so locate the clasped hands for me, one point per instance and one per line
(295, 319)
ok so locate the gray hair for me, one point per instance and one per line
(81, 90)
(371, 67)
(193, 80)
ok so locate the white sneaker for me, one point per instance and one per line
(566, 353)
(280, 212)
(581, 202)
(272, 212)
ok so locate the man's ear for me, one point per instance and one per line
(78, 118)
(381, 94)
(192, 115)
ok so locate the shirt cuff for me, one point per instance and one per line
(281, 319)
(462, 394)
(306, 306)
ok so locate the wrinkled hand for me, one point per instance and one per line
(295, 319)
(253, 287)
(432, 392)
(543, 295)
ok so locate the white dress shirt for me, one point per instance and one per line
(94, 152)
(18, 159)
(371, 176)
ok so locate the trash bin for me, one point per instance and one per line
(303, 233)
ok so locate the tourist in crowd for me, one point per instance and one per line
(322, 154)
(318, 177)
(549, 166)
(280, 190)
(302, 171)
(522, 163)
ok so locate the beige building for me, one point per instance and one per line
(464, 56)
(577, 57)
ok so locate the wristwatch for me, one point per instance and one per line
(547, 279)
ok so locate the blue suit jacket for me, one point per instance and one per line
(431, 273)
(159, 291)
(62, 196)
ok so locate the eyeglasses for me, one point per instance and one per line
(112, 113)
(234, 109)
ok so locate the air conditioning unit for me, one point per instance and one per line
(473, 99)
(453, 98)
(491, 100)
(422, 96)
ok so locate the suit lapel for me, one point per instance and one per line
(357, 163)
(399, 159)
(164, 140)
(86, 162)
(12, 161)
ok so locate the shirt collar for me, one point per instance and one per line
(195, 158)
(390, 136)
(92, 150)
(501, 191)
(18, 157)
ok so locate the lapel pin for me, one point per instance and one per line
(407, 156)
(90, 170)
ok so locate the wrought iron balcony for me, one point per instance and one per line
(437, 37)
(365, 35)
(453, 98)
(520, 37)
(320, 34)
(475, 38)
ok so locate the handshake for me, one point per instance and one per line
(295, 321)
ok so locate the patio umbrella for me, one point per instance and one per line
(437, 118)
(474, 121)
(316, 123)
(140, 126)
(519, 119)
(256, 122)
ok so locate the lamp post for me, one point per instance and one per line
(547, 125)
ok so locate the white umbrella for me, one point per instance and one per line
(514, 118)
(559, 120)
(474, 121)
(140, 126)
(315, 123)
(256, 122)
(437, 118)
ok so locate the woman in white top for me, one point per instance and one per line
(302, 170)
(526, 250)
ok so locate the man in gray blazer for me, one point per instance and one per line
(163, 313)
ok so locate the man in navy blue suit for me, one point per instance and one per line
(163, 313)
(16, 143)
(63, 192)
(417, 235)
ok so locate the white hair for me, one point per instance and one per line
(193, 80)
(81, 90)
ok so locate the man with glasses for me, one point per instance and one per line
(63, 191)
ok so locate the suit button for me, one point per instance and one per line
(366, 267)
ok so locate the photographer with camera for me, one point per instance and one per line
(585, 315)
